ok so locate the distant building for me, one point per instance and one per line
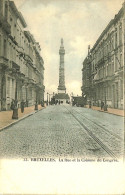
(61, 96)
(21, 65)
(103, 68)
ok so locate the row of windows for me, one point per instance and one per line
(18, 33)
(109, 69)
(108, 92)
(117, 57)
(9, 51)
(11, 90)
(113, 40)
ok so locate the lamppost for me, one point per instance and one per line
(71, 96)
(47, 98)
(27, 95)
(50, 97)
(15, 109)
(36, 104)
(53, 98)
(105, 105)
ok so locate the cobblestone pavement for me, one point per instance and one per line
(55, 132)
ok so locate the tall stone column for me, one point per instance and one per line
(61, 87)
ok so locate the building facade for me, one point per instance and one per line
(21, 65)
(103, 68)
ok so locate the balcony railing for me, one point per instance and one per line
(4, 24)
(3, 62)
(100, 62)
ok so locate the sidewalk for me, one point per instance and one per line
(6, 116)
(109, 110)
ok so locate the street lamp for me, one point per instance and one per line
(50, 97)
(71, 96)
(15, 109)
(47, 98)
(105, 105)
(36, 104)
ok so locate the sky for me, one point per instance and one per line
(78, 22)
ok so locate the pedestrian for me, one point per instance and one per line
(12, 105)
(41, 103)
(22, 106)
(102, 105)
(89, 104)
(26, 103)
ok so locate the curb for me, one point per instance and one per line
(110, 113)
(106, 112)
(20, 119)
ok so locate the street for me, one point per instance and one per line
(64, 131)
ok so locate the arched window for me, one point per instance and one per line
(120, 34)
(116, 38)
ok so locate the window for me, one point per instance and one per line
(112, 43)
(121, 59)
(116, 38)
(5, 48)
(112, 66)
(6, 11)
(109, 92)
(104, 72)
(0, 45)
(121, 90)
(120, 34)
(116, 62)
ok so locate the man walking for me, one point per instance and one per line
(22, 106)
(102, 105)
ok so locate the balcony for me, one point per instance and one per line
(32, 81)
(15, 66)
(100, 62)
(108, 78)
(43, 87)
(3, 62)
(22, 76)
(28, 59)
(13, 39)
(5, 25)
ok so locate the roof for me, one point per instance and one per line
(29, 36)
(120, 13)
(61, 96)
(19, 15)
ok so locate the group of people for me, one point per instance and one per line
(58, 102)
(102, 105)
(22, 105)
(14, 105)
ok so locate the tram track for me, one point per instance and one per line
(94, 137)
(102, 128)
